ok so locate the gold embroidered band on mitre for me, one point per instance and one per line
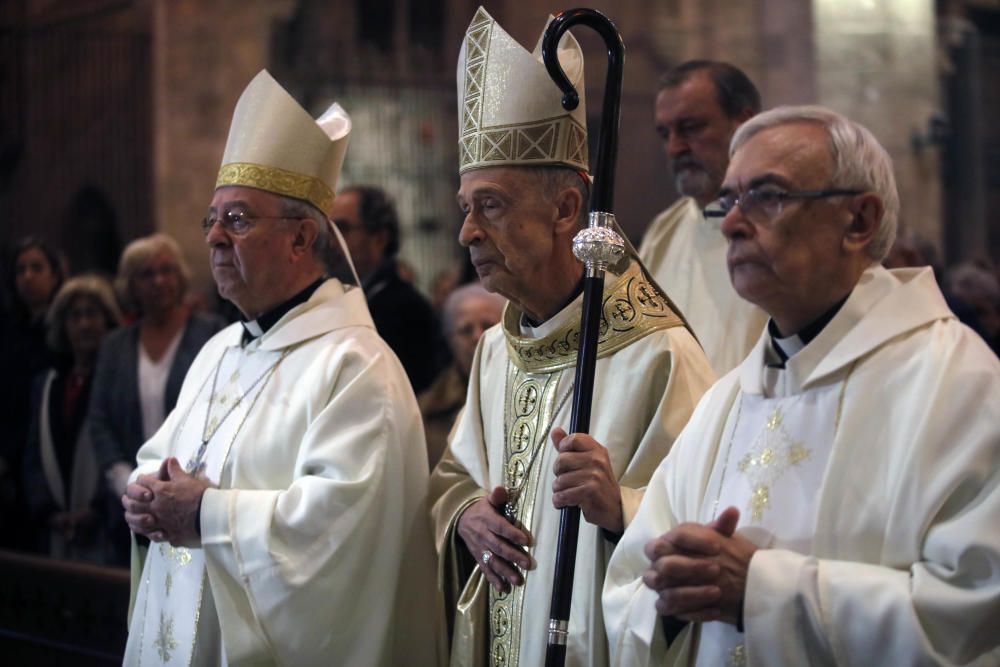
(278, 181)
(633, 308)
(553, 142)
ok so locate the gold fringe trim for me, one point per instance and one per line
(278, 181)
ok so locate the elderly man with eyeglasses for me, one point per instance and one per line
(285, 494)
(835, 498)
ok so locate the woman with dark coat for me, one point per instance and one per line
(141, 367)
(37, 271)
(63, 486)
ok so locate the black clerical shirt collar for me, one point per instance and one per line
(577, 291)
(253, 329)
(786, 346)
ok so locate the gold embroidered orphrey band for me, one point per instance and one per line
(278, 181)
(530, 407)
(633, 307)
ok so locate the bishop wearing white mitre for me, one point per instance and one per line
(524, 192)
(285, 494)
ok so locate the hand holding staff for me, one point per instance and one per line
(598, 247)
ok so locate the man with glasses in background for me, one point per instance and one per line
(286, 490)
(700, 105)
(834, 500)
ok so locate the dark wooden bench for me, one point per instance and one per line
(56, 612)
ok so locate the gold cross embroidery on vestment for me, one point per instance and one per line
(771, 455)
(165, 642)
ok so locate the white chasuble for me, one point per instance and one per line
(315, 548)
(774, 461)
(866, 471)
(650, 372)
(174, 612)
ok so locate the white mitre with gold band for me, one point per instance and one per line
(510, 111)
(275, 145)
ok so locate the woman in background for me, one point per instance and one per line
(141, 367)
(468, 312)
(37, 271)
(61, 478)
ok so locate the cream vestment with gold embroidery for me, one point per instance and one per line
(650, 372)
(315, 547)
(867, 470)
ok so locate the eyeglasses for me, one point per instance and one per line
(767, 201)
(239, 223)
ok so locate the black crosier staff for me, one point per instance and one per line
(598, 246)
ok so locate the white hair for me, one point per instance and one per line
(323, 245)
(459, 296)
(553, 179)
(859, 161)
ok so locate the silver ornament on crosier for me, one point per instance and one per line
(599, 245)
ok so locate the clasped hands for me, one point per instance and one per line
(164, 507)
(699, 571)
(583, 477)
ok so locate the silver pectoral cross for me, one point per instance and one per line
(197, 462)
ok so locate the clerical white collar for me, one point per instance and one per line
(714, 223)
(257, 327)
(787, 347)
(550, 325)
(253, 328)
(783, 348)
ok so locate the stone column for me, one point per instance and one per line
(205, 53)
(875, 63)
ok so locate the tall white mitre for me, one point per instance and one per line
(510, 111)
(275, 145)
